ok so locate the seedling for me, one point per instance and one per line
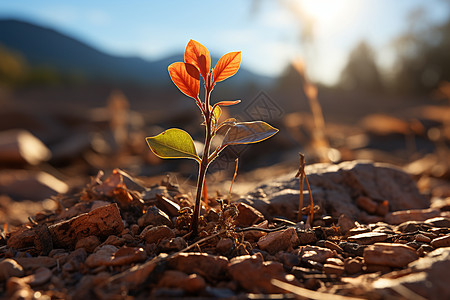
(177, 143)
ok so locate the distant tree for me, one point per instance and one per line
(361, 71)
(13, 67)
(422, 55)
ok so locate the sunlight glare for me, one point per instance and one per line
(330, 13)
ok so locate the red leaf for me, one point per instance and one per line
(199, 56)
(186, 77)
(227, 66)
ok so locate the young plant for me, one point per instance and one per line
(176, 143)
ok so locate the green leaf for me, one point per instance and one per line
(248, 133)
(173, 143)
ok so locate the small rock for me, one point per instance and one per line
(439, 222)
(425, 278)
(135, 276)
(193, 283)
(254, 275)
(36, 262)
(288, 259)
(306, 237)
(174, 244)
(128, 255)
(315, 253)
(101, 222)
(30, 185)
(19, 146)
(367, 204)
(329, 245)
(167, 205)
(345, 223)
(102, 256)
(353, 265)
(152, 234)
(278, 240)
(89, 243)
(398, 217)
(334, 261)
(358, 230)
(22, 238)
(134, 229)
(10, 268)
(16, 288)
(410, 226)
(353, 249)
(254, 235)
(209, 266)
(154, 216)
(443, 241)
(334, 187)
(224, 246)
(333, 269)
(74, 260)
(391, 255)
(248, 215)
(368, 238)
(422, 238)
(413, 244)
(40, 276)
(114, 240)
(109, 255)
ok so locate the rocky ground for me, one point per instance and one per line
(373, 236)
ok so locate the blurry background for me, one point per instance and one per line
(83, 83)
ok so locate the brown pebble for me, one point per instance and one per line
(333, 269)
(175, 279)
(334, 261)
(315, 253)
(401, 216)
(333, 246)
(306, 237)
(36, 262)
(345, 223)
(422, 238)
(155, 234)
(134, 229)
(353, 265)
(209, 265)
(368, 238)
(278, 240)
(224, 245)
(89, 243)
(443, 241)
(10, 268)
(248, 215)
(439, 222)
(391, 255)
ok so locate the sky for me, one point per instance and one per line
(268, 32)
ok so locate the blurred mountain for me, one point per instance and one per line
(46, 47)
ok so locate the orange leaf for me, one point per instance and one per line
(186, 77)
(198, 55)
(227, 103)
(227, 66)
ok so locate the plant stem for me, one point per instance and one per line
(203, 166)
